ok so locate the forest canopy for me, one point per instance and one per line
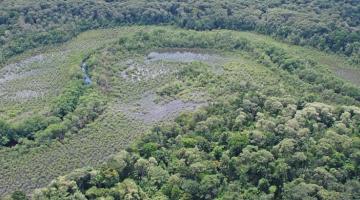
(326, 25)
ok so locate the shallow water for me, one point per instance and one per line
(87, 79)
(182, 56)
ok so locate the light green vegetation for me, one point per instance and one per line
(29, 83)
(340, 65)
(130, 83)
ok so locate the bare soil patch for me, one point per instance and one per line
(352, 75)
(149, 111)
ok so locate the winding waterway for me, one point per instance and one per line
(87, 79)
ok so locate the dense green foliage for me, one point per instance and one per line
(254, 147)
(291, 136)
(71, 112)
(327, 25)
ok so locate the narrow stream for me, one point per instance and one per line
(85, 70)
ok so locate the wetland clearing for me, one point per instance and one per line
(136, 78)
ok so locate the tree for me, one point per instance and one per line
(237, 141)
(128, 189)
(210, 186)
(60, 189)
(105, 178)
(285, 148)
(141, 168)
(19, 195)
(148, 149)
(5, 133)
(157, 176)
(299, 190)
(121, 162)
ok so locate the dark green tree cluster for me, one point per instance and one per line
(251, 147)
(327, 25)
(12, 134)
